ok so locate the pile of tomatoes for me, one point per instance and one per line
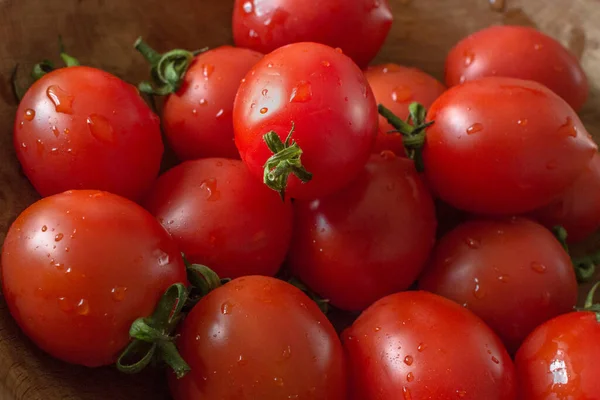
(431, 221)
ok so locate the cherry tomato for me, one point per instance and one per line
(368, 240)
(222, 217)
(79, 267)
(359, 27)
(396, 87)
(518, 52)
(512, 273)
(197, 119)
(259, 338)
(577, 208)
(416, 345)
(320, 95)
(83, 128)
(559, 360)
(491, 151)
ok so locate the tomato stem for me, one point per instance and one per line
(589, 302)
(286, 160)
(42, 68)
(203, 280)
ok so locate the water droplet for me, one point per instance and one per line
(462, 79)
(326, 63)
(226, 308)
(461, 393)
(523, 122)
(402, 94)
(29, 114)
(408, 360)
(264, 110)
(252, 33)
(58, 237)
(203, 102)
(477, 127)
(301, 93)
(59, 266)
(421, 347)
(287, 353)
(469, 58)
(83, 307)
(40, 146)
(66, 131)
(24, 146)
(248, 7)
(210, 185)
(495, 360)
(100, 128)
(195, 112)
(54, 150)
(44, 228)
(339, 50)
(55, 131)
(377, 329)
(265, 92)
(118, 293)
(65, 305)
(410, 377)
(241, 361)
(207, 70)
(538, 267)
(503, 278)
(67, 249)
(537, 46)
(477, 291)
(63, 102)
(278, 381)
(498, 5)
(472, 243)
(406, 393)
(74, 233)
(387, 155)
(220, 113)
(568, 128)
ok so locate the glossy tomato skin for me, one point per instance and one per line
(325, 97)
(416, 345)
(518, 52)
(512, 273)
(559, 359)
(222, 217)
(358, 27)
(79, 267)
(368, 240)
(197, 119)
(395, 87)
(576, 209)
(503, 146)
(260, 338)
(83, 128)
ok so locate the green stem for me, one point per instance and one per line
(585, 266)
(42, 68)
(203, 280)
(172, 358)
(561, 235)
(18, 92)
(589, 302)
(151, 55)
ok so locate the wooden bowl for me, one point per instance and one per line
(101, 33)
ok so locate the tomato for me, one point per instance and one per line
(518, 52)
(512, 273)
(491, 152)
(576, 209)
(197, 119)
(359, 27)
(416, 345)
(319, 95)
(559, 360)
(368, 240)
(396, 87)
(79, 267)
(259, 338)
(83, 128)
(222, 217)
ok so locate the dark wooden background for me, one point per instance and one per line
(101, 33)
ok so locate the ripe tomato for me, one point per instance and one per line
(83, 128)
(518, 52)
(576, 209)
(320, 95)
(197, 119)
(259, 338)
(359, 27)
(79, 267)
(416, 345)
(222, 217)
(559, 360)
(512, 273)
(491, 152)
(396, 87)
(368, 240)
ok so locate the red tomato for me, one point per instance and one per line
(416, 345)
(198, 118)
(396, 87)
(560, 359)
(513, 274)
(259, 338)
(320, 94)
(359, 27)
(368, 240)
(83, 128)
(79, 267)
(491, 152)
(222, 217)
(577, 208)
(518, 52)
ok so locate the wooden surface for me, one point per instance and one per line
(101, 32)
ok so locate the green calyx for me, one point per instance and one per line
(590, 306)
(203, 280)
(585, 266)
(286, 160)
(167, 70)
(413, 135)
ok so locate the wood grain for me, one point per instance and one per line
(101, 33)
